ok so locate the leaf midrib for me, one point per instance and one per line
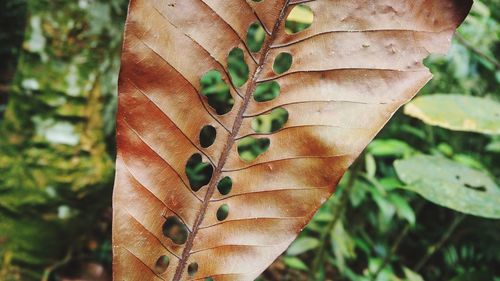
(186, 253)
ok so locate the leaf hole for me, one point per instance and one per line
(237, 67)
(207, 136)
(217, 92)
(250, 148)
(223, 212)
(270, 123)
(225, 185)
(209, 279)
(192, 268)
(266, 91)
(198, 172)
(162, 264)
(282, 63)
(255, 37)
(300, 18)
(174, 229)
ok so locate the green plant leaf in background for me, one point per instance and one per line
(295, 263)
(32, 242)
(494, 146)
(343, 246)
(451, 185)
(302, 245)
(412, 276)
(457, 112)
(389, 148)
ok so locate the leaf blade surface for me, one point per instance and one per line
(345, 82)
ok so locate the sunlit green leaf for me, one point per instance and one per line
(389, 147)
(411, 275)
(371, 165)
(457, 112)
(302, 245)
(295, 263)
(494, 146)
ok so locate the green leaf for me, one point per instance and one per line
(403, 209)
(387, 209)
(371, 165)
(295, 263)
(411, 275)
(494, 146)
(468, 161)
(342, 246)
(302, 245)
(390, 183)
(451, 185)
(457, 112)
(389, 148)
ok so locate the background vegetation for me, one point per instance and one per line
(420, 204)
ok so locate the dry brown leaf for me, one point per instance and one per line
(352, 69)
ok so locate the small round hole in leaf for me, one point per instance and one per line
(192, 268)
(207, 136)
(225, 185)
(174, 229)
(255, 37)
(237, 67)
(223, 212)
(272, 122)
(300, 18)
(198, 172)
(209, 279)
(250, 148)
(217, 92)
(162, 264)
(266, 91)
(282, 63)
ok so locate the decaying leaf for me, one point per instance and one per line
(189, 202)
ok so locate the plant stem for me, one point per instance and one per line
(337, 211)
(430, 135)
(437, 246)
(231, 139)
(50, 269)
(478, 52)
(396, 244)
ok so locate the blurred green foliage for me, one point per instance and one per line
(300, 18)
(217, 92)
(266, 91)
(56, 137)
(270, 122)
(56, 146)
(255, 37)
(12, 20)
